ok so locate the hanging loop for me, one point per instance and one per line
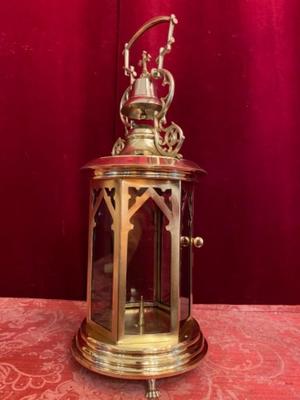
(129, 70)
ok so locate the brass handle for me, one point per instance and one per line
(197, 241)
(129, 69)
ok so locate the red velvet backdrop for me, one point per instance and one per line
(236, 65)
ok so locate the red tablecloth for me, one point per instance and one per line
(254, 354)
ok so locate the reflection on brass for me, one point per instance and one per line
(197, 241)
(133, 330)
(155, 358)
(185, 241)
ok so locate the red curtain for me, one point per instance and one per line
(237, 98)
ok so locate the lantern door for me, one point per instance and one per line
(186, 250)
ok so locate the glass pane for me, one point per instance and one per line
(186, 252)
(165, 261)
(140, 258)
(144, 311)
(102, 268)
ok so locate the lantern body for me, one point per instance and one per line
(140, 255)
(139, 322)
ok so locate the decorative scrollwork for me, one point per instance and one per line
(126, 122)
(170, 143)
(118, 146)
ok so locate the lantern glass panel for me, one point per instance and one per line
(148, 271)
(102, 267)
(164, 260)
(186, 252)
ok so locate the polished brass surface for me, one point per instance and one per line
(185, 241)
(147, 167)
(142, 102)
(139, 142)
(158, 360)
(144, 190)
(197, 242)
(175, 348)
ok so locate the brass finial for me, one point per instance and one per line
(146, 57)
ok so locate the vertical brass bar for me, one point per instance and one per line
(90, 251)
(115, 296)
(157, 256)
(124, 228)
(141, 316)
(175, 255)
(191, 212)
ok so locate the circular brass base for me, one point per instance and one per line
(156, 360)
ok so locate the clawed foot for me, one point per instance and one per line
(152, 392)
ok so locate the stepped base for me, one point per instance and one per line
(153, 361)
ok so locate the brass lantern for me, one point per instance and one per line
(139, 323)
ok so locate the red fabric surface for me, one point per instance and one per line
(253, 354)
(236, 67)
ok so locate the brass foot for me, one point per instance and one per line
(152, 392)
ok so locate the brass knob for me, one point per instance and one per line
(197, 242)
(185, 241)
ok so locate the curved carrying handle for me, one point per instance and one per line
(129, 69)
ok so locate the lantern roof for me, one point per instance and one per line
(144, 165)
